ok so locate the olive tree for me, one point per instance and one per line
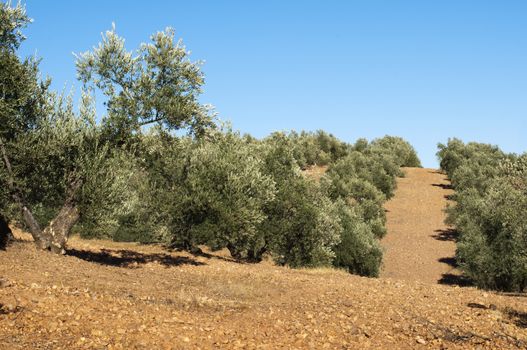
(155, 84)
(23, 103)
(403, 152)
(45, 145)
(226, 183)
(211, 191)
(302, 227)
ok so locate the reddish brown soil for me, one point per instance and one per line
(106, 295)
(315, 171)
(419, 246)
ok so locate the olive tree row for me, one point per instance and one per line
(489, 213)
(131, 176)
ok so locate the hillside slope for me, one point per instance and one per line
(419, 246)
(106, 295)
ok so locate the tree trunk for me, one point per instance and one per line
(5, 232)
(33, 225)
(236, 253)
(256, 255)
(27, 215)
(55, 236)
(58, 230)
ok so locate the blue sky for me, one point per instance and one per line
(423, 70)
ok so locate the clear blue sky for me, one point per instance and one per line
(423, 70)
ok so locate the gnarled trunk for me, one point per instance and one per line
(33, 225)
(59, 228)
(256, 255)
(57, 232)
(55, 235)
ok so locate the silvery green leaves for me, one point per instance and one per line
(489, 213)
(155, 84)
(227, 192)
(12, 20)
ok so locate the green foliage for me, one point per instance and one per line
(226, 183)
(111, 197)
(491, 192)
(201, 196)
(156, 84)
(61, 148)
(20, 91)
(319, 148)
(359, 251)
(302, 226)
(157, 194)
(23, 95)
(493, 248)
(353, 182)
(473, 165)
(215, 192)
(362, 166)
(53, 149)
(12, 20)
(403, 153)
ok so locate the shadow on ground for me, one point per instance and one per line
(451, 261)
(518, 317)
(130, 259)
(444, 186)
(446, 235)
(453, 279)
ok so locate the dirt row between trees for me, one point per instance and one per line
(419, 246)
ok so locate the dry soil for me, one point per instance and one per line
(419, 246)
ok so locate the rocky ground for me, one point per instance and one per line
(106, 295)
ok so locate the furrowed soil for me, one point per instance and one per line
(106, 295)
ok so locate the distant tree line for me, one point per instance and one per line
(134, 176)
(489, 213)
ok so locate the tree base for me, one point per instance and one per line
(6, 235)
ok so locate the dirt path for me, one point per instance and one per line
(419, 246)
